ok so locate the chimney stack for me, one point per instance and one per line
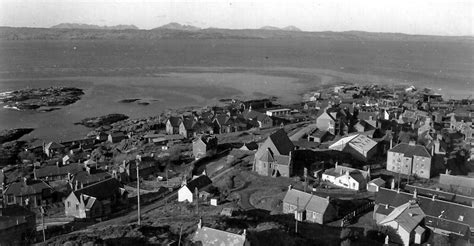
(415, 194)
(200, 223)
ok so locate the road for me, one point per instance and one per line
(303, 131)
(132, 215)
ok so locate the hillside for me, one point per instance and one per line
(87, 26)
(178, 31)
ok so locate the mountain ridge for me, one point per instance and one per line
(91, 26)
(175, 30)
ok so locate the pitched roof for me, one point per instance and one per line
(199, 182)
(86, 178)
(455, 216)
(282, 142)
(21, 188)
(54, 170)
(411, 150)
(408, 216)
(221, 118)
(210, 236)
(53, 145)
(306, 201)
(100, 190)
(189, 123)
(175, 121)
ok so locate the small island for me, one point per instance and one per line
(37, 98)
(94, 122)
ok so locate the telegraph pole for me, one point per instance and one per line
(138, 161)
(42, 223)
(296, 217)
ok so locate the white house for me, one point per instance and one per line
(187, 190)
(346, 177)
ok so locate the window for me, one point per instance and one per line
(461, 218)
(10, 198)
(77, 206)
(68, 204)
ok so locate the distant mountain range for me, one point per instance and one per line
(66, 31)
(288, 28)
(177, 26)
(87, 26)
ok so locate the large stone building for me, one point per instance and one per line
(273, 156)
(409, 159)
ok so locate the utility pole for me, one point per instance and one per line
(197, 199)
(296, 217)
(138, 161)
(42, 223)
(180, 232)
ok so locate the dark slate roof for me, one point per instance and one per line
(457, 216)
(86, 178)
(189, 123)
(100, 190)
(199, 182)
(251, 145)
(21, 188)
(282, 142)
(221, 118)
(411, 150)
(175, 121)
(53, 170)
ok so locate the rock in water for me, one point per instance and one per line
(95, 122)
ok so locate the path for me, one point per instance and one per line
(303, 131)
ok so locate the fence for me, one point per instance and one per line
(349, 218)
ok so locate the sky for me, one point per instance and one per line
(431, 17)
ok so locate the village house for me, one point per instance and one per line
(88, 177)
(273, 157)
(409, 159)
(188, 189)
(346, 177)
(148, 165)
(319, 136)
(257, 119)
(204, 145)
(52, 148)
(28, 193)
(308, 207)
(213, 237)
(278, 112)
(335, 120)
(408, 221)
(116, 137)
(359, 146)
(186, 127)
(172, 125)
(97, 200)
(442, 217)
(375, 184)
(57, 172)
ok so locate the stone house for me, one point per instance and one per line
(97, 200)
(308, 207)
(205, 145)
(273, 157)
(409, 159)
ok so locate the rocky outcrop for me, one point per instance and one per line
(95, 122)
(36, 98)
(13, 134)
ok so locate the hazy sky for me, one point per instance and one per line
(438, 17)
